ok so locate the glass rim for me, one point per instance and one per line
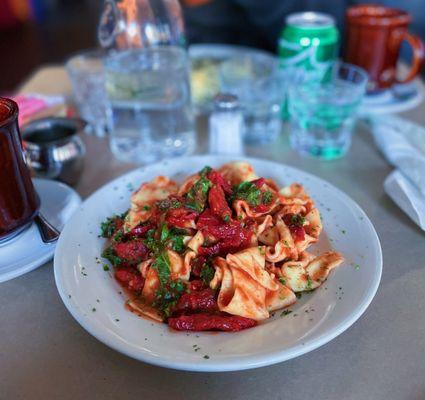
(152, 50)
(361, 71)
(337, 66)
(181, 53)
(85, 54)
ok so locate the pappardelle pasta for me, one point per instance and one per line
(221, 251)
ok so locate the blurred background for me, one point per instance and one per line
(35, 32)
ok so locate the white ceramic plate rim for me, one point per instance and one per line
(242, 362)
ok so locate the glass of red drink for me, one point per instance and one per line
(19, 202)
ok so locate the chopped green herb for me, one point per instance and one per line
(247, 191)
(111, 256)
(197, 196)
(107, 227)
(167, 296)
(162, 267)
(226, 218)
(168, 204)
(177, 243)
(309, 283)
(146, 207)
(105, 267)
(297, 220)
(285, 312)
(282, 280)
(285, 242)
(118, 237)
(173, 237)
(267, 197)
(205, 171)
(165, 232)
(357, 267)
(343, 231)
(206, 357)
(93, 309)
(150, 242)
(207, 273)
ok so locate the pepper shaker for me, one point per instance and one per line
(226, 126)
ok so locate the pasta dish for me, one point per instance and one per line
(221, 251)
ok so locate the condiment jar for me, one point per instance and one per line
(226, 126)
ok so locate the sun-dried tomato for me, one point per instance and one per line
(211, 322)
(218, 203)
(197, 265)
(298, 232)
(203, 300)
(196, 285)
(181, 217)
(132, 251)
(217, 179)
(259, 182)
(140, 230)
(130, 279)
(231, 236)
(224, 247)
(295, 225)
(261, 208)
(213, 225)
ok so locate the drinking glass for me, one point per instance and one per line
(134, 24)
(255, 80)
(323, 113)
(87, 80)
(149, 109)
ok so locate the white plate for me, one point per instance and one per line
(27, 251)
(93, 297)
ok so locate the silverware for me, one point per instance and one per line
(47, 231)
(53, 148)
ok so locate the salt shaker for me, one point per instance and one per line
(226, 126)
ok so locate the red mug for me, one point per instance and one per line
(374, 35)
(19, 202)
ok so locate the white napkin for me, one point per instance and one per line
(403, 144)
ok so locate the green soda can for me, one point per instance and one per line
(308, 46)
